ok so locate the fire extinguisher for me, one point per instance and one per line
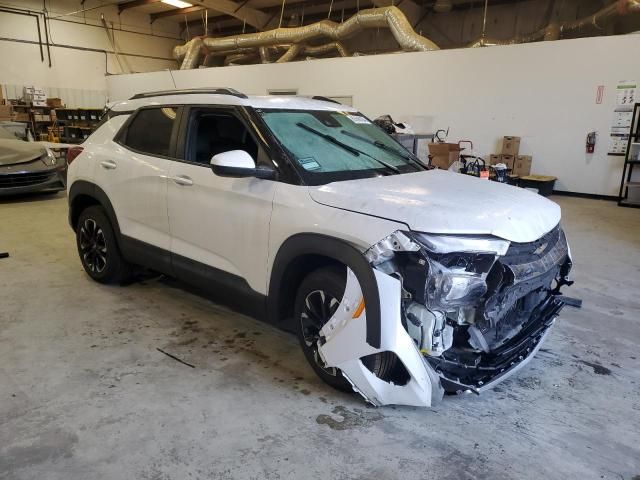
(591, 142)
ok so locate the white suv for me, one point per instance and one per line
(401, 282)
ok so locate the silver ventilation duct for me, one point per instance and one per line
(386, 17)
(286, 44)
(554, 31)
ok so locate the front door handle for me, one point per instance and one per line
(183, 180)
(109, 165)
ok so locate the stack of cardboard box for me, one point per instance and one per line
(520, 165)
(35, 96)
(6, 111)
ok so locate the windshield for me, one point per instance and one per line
(332, 146)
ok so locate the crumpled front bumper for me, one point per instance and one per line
(346, 343)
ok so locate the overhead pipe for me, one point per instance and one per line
(554, 31)
(28, 13)
(386, 17)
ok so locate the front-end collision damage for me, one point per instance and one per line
(345, 345)
(461, 313)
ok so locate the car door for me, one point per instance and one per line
(218, 223)
(133, 174)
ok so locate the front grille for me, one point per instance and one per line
(546, 257)
(520, 253)
(517, 283)
(26, 179)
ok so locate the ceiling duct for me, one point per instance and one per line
(387, 17)
(555, 31)
(286, 44)
(443, 6)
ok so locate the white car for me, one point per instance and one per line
(401, 282)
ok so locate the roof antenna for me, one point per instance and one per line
(173, 79)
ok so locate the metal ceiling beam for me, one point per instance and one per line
(174, 12)
(133, 4)
(411, 9)
(225, 24)
(240, 10)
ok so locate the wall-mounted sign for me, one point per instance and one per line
(626, 96)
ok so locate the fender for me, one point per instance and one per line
(339, 250)
(82, 187)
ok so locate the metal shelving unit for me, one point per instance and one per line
(77, 123)
(631, 159)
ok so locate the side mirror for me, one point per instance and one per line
(238, 163)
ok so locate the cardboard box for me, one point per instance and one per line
(443, 154)
(522, 166)
(493, 159)
(6, 112)
(21, 117)
(55, 103)
(510, 146)
(508, 160)
(42, 118)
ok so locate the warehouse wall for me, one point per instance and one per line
(79, 73)
(544, 92)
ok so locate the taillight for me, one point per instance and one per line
(72, 153)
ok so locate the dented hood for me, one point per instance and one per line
(443, 202)
(13, 152)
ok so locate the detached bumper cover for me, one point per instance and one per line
(346, 343)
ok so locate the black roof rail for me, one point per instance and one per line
(325, 99)
(191, 91)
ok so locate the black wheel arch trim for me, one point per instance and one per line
(336, 249)
(82, 187)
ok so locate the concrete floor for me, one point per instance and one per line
(84, 394)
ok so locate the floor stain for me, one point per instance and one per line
(597, 368)
(350, 419)
(48, 446)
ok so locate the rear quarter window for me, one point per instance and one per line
(150, 131)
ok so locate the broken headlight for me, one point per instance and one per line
(449, 287)
(443, 272)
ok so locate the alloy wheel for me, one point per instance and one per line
(319, 307)
(93, 246)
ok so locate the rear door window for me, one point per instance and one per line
(150, 131)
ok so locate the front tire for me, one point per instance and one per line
(98, 249)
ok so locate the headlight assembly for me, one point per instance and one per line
(443, 272)
(49, 159)
(450, 288)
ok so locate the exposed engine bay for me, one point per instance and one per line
(475, 307)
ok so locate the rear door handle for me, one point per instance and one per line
(183, 180)
(109, 165)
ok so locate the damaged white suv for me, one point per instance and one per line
(401, 282)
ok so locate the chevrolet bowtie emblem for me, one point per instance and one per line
(540, 249)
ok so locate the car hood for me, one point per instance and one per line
(13, 152)
(443, 202)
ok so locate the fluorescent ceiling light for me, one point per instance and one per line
(177, 3)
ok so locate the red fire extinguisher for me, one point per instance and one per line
(591, 142)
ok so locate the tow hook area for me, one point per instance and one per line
(570, 301)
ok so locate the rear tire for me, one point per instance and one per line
(98, 249)
(316, 301)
